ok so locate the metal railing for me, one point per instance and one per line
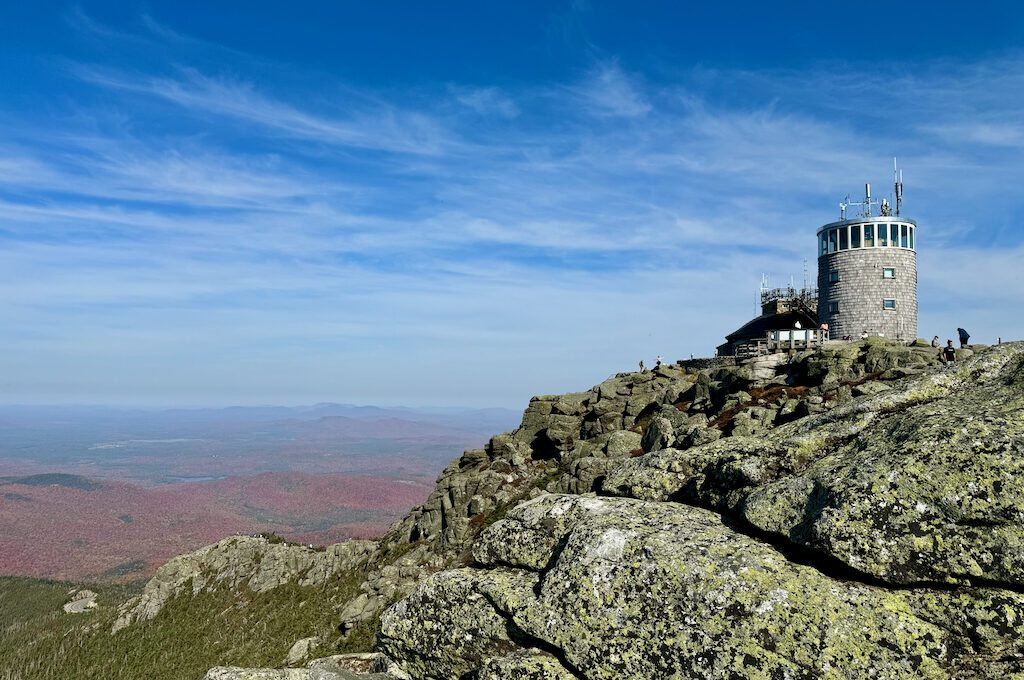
(795, 339)
(805, 295)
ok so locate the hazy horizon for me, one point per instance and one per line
(162, 406)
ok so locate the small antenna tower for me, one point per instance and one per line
(897, 179)
(866, 203)
(805, 273)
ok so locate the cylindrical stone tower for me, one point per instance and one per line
(867, 277)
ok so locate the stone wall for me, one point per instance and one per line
(861, 289)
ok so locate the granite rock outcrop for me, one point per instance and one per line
(255, 562)
(853, 511)
(856, 516)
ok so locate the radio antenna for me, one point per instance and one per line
(897, 179)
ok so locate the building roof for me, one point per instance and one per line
(756, 328)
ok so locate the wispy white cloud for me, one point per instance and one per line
(383, 127)
(998, 134)
(485, 100)
(609, 91)
(466, 228)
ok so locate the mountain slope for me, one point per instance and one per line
(880, 538)
(852, 512)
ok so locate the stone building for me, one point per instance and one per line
(867, 274)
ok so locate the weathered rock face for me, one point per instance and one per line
(572, 443)
(920, 483)
(337, 667)
(850, 512)
(257, 563)
(867, 532)
(627, 588)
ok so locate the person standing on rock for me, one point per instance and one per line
(935, 342)
(948, 354)
(964, 337)
(643, 369)
(657, 362)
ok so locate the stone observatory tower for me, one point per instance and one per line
(867, 271)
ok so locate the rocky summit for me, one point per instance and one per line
(850, 512)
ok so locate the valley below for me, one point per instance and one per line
(106, 495)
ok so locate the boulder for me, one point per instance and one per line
(301, 650)
(932, 492)
(256, 562)
(530, 664)
(235, 673)
(452, 623)
(622, 443)
(620, 588)
(658, 435)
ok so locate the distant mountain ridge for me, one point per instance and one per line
(157, 446)
(474, 418)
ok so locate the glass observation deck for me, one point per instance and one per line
(878, 232)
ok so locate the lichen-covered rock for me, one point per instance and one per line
(256, 562)
(301, 650)
(524, 665)
(933, 491)
(235, 673)
(659, 434)
(920, 482)
(791, 412)
(719, 474)
(655, 590)
(359, 666)
(622, 443)
(451, 623)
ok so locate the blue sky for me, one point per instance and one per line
(471, 202)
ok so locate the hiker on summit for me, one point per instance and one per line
(948, 354)
(964, 337)
(935, 342)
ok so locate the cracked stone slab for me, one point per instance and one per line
(656, 590)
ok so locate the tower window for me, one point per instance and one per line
(844, 239)
(824, 243)
(894, 235)
(855, 236)
(869, 235)
(833, 308)
(903, 236)
(911, 238)
(889, 303)
(833, 276)
(833, 241)
(883, 235)
(888, 272)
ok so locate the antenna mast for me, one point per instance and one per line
(897, 179)
(865, 204)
